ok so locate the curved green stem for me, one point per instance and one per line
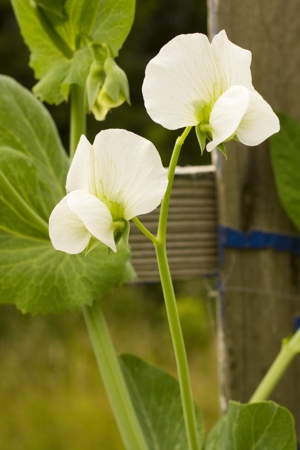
(287, 353)
(77, 117)
(113, 379)
(144, 230)
(171, 306)
(164, 209)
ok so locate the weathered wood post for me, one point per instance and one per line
(260, 288)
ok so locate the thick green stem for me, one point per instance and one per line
(113, 379)
(78, 117)
(287, 353)
(171, 306)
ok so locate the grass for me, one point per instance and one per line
(51, 395)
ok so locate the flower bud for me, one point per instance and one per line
(114, 91)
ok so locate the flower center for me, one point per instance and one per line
(202, 112)
(116, 210)
(205, 128)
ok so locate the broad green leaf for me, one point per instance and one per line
(285, 157)
(257, 426)
(156, 398)
(33, 168)
(57, 81)
(65, 37)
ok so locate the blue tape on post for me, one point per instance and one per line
(255, 239)
(297, 323)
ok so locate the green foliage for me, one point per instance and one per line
(257, 426)
(285, 156)
(65, 39)
(157, 401)
(33, 168)
(55, 6)
(60, 384)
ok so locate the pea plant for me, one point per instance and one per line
(65, 217)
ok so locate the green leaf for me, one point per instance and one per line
(256, 426)
(33, 168)
(157, 402)
(285, 157)
(55, 6)
(55, 85)
(63, 39)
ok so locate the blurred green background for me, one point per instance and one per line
(51, 396)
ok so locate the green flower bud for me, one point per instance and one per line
(94, 82)
(114, 91)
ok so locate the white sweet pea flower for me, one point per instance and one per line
(110, 182)
(192, 82)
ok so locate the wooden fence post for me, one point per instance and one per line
(260, 289)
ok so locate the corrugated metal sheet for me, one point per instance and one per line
(192, 229)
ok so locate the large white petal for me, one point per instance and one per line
(227, 114)
(67, 232)
(129, 171)
(259, 122)
(232, 63)
(179, 81)
(95, 216)
(80, 175)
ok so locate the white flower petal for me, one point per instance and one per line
(227, 114)
(95, 216)
(180, 80)
(232, 62)
(259, 122)
(130, 173)
(81, 169)
(67, 232)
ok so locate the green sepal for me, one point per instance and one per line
(122, 233)
(125, 235)
(222, 149)
(201, 138)
(235, 138)
(93, 243)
